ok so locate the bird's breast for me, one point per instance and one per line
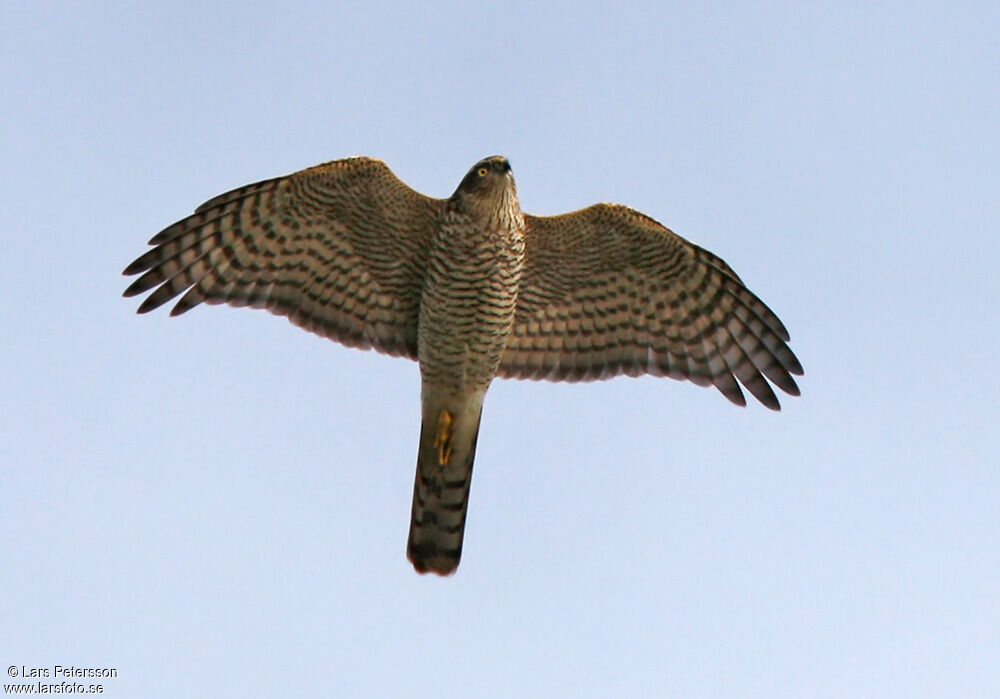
(468, 303)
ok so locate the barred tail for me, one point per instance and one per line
(441, 490)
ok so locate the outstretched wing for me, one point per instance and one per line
(607, 290)
(338, 248)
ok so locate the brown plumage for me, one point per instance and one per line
(472, 288)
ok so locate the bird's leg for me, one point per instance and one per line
(443, 438)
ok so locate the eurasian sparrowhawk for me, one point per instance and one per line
(471, 288)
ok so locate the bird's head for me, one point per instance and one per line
(489, 185)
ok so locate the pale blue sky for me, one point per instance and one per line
(217, 505)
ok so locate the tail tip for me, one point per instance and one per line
(427, 558)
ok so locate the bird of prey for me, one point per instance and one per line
(472, 288)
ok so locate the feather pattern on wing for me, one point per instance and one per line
(607, 290)
(338, 248)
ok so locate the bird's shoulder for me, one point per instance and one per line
(615, 234)
(362, 176)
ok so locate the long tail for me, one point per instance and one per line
(441, 490)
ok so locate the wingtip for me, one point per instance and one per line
(132, 290)
(146, 306)
(733, 394)
(792, 389)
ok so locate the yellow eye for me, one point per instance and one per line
(482, 172)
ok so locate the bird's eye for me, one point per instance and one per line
(482, 172)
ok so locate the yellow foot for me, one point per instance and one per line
(443, 438)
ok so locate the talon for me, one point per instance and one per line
(443, 438)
